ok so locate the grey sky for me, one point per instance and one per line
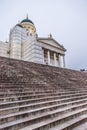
(66, 20)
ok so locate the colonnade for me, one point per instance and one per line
(57, 59)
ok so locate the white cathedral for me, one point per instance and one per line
(24, 44)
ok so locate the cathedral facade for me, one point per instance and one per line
(24, 44)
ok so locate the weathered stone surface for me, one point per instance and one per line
(41, 97)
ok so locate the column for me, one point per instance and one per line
(63, 60)
(59, 60)
(48, 53)
(55, 59)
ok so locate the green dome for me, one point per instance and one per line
(27, 20)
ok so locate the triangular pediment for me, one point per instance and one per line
(51, 42)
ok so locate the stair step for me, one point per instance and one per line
(71, 124)
(53, 122)
(81, 126)
(47, 91)
(23, 102)
(38, 105)
(17, 98)
(45, 111)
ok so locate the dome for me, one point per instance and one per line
(27, 20)
(28, 25)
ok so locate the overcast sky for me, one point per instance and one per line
(66, 20)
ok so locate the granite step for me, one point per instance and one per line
(67, 125)
(5, 94)
(54, 110)
(8, 93)
(28, 101)
(50, 122)
(73, 124)
(34, 96)
(81, 126)
(15, 109)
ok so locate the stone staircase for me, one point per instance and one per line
(41, 97)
